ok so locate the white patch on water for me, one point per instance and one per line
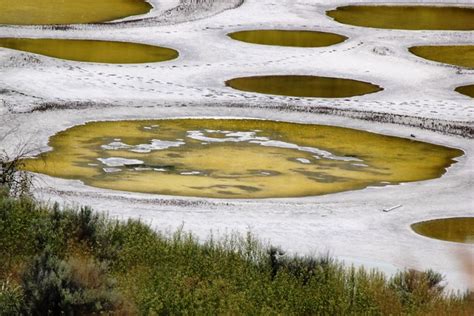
(116, 145)
(229, 136)
(142, 169)
(112, 170)
(360, 165)
(251, 137)
(151, 127)
(119, 162)
(190, 173)
(303, 160)
(155, 144)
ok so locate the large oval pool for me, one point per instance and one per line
(231, 158)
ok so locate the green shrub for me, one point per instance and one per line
(11, 298)
(54, 286)
(177, 274)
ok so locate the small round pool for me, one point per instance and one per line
(92, 50)
(292, 38)
(466, 90)
(457, 229)
(44, 12)
(406, 17)
(457, 55)
(303, 86)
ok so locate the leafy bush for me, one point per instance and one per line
(66, 260)
(11, 298)
(54, 286)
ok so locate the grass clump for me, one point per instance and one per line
(80, 262)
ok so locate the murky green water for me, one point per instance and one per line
(466, 90)
(288, 38)
(459, 55)
(236, 158)
(411, 17)
(459, 229)
(27, 12)
(92, 51)
(303, 86)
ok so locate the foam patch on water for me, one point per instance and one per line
(303, 160)
(229, 136)
(115, 145)
(190, 173)
(112, 170)
(155, 144)
(251, 137)
(119, 162)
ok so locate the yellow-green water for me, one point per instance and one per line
(288, 38)
(405, 17)
(236, 158)
(303, 86)
(466, 90)
(29, 12)
(91, 50)
(458, 229)
(459, 55)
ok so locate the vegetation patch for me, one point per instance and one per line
(78, 261)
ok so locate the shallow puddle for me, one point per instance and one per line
(404, 17)
(460, 55)
(459, 229)
(28, 12)
(92, 51)
(303, 86)
(236, 158)
(288, 38)
(466, 90)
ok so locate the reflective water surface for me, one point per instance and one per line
(236, 158)
(92, 51)
(27, 12)
(303, 86)
(405, 17)
(459, 55)
(458, 229)
(288, 38)
(466, 90)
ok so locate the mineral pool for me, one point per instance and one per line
(457, 229)
(293, 38)
(303, 86)
(44, 12)
(457, 55)
(406, 17)
(236, 158)
(92, 50)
